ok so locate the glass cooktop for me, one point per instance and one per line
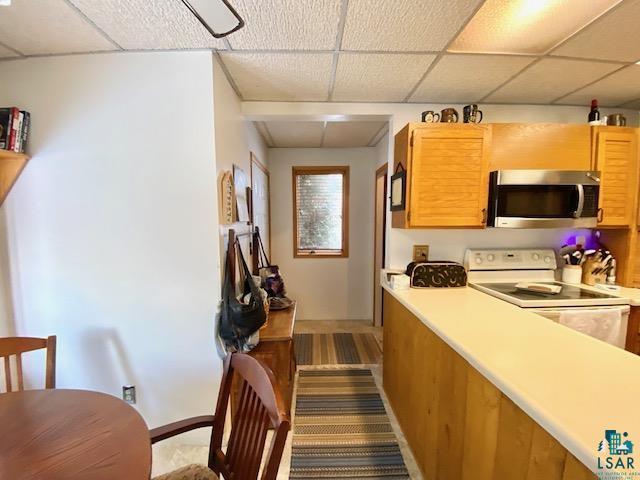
(569, 292)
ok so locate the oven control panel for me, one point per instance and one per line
(514, 259)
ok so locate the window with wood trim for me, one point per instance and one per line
(321, 211)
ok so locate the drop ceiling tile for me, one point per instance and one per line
(375, 77)
(148, 25)
(296, 134)
(612, 37)
(48, 27)
(467, 78)
(616, 89)
(549, 79)
(287, 25)
(7, 53)
(526, 27)
(351, 134)
(393, 25)
(280, 76)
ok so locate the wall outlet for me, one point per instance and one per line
(129, 394)
(420, 253)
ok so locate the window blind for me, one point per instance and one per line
(319, 200)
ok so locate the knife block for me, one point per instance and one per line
(591, 274)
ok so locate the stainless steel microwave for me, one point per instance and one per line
(543, 199)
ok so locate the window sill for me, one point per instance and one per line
(321, 254)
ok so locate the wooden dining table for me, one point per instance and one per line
(71, 434)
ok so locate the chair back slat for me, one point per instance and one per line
(244, 451)
(15, 347)
(19, 372)
(7, 373)
(260, 407)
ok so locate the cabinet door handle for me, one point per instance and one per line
(600, 216)
(484, 216)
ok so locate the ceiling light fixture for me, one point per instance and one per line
(5, 3)
(529, 27)
(530, 9)
(217, 16)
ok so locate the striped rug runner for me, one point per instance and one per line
(336, 348)
(341, 429)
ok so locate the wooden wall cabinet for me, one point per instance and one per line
(547, 146)
(447, 175)
(616, 157)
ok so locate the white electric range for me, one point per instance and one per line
(496, 272)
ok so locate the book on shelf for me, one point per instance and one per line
(14, 129)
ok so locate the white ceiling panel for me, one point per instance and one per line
(394, 25)
(549, 79)
(378, 77)
(287, 25)
(148, 25)
(351, 134)
(612, 37)
(280, 76)
(467, 78)
(296, 134)
(526, 26)
(35, 27)
(7, 53)
(616, 89)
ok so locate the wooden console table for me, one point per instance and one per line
(277, 352)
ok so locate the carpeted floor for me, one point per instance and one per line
(341, 429)
(336, 348)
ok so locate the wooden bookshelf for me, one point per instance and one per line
(11, 165)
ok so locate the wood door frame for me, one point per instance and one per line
(382, 171)
(253, 160)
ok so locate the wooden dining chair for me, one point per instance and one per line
(260, 407)
(16, 346)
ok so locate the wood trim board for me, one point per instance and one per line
(380, 172)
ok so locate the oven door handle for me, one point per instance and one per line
(578, 212)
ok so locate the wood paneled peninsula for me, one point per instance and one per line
(485, 390)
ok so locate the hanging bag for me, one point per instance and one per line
(272, 281)
(239, 321)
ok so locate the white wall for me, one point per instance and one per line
(112, 226)
(235, 139)
(444, 244)
(328, 288)
(6, 305)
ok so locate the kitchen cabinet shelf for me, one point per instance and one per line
(11, 166)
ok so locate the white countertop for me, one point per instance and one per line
(630, 294)
(573, 385)
(633, 294)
